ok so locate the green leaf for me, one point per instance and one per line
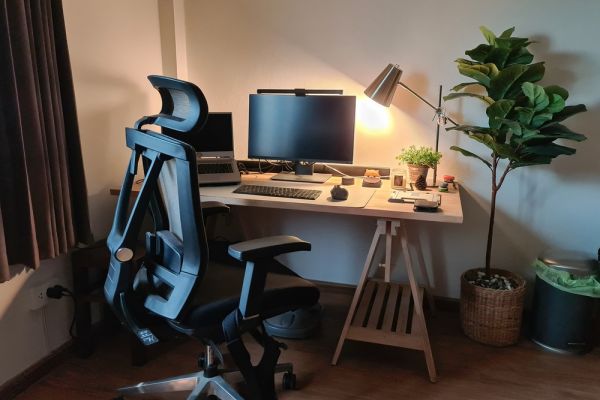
(524, 114)
(554, 89)
(500, 84)
(489, 35)
(479, 53)
(534, 73)
(498, 111)
(503, 43)
(461, 86)
(556, 104)
(559, 131)
(519, 42)
(532, 161)
(534, 140)
(519, 56)
(550, 150)
(452, 96)
(540, 119)
(475, 72)
(507, 33)
(502, 150)
(538, 99)
(568, 111)
(465, 61)
(498, 56)
(469, 129)
(514, 126)
(467, 153)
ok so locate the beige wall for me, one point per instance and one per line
(113, 46)
(27, 335)
(235, 47)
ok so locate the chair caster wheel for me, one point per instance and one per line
(289, 381)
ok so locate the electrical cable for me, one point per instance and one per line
(57, 292)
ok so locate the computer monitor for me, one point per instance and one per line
(302, 129)
(215, 139)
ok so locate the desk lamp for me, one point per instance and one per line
(382, 91)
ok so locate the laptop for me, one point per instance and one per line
(214, 151)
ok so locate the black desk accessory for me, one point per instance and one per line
(426, 205)
(339, 193)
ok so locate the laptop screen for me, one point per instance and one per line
(216, 136)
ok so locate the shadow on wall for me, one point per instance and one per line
(559, 66)
(587, 167)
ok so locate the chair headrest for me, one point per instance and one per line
(184, 107)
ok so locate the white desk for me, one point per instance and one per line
(380, 309)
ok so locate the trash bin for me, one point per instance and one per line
(565, 301)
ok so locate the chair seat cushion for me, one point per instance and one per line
(218, 295)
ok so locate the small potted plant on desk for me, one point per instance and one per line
(419, 160)
(524, 121)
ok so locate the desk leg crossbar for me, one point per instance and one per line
(385, 312)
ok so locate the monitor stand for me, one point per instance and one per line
(293, 177)
(303, 172)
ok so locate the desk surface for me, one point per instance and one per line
(377, 204)
(375, 201)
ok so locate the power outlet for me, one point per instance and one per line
(37, 297)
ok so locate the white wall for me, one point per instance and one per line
(113, 46)
(235, 47)
(29, 335)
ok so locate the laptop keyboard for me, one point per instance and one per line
(222, 168)
(276, 191)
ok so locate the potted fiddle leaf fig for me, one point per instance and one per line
(524, 125)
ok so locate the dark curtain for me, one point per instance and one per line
(43, 199)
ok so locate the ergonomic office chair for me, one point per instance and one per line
(215, 303)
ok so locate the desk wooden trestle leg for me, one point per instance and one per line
(380, 310)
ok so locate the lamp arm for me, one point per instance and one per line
(425, 101)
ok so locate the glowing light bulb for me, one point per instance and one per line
(371, 117)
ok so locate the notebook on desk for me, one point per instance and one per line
(214, 151)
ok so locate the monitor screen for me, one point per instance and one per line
(216, 136)
(301, 128)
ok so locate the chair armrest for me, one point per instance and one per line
(253, 252)
(213, 207)
(267, 247)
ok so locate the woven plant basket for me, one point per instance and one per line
(491, 316)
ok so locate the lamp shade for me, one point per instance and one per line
(383, 87)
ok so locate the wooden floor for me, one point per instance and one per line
(467, 370)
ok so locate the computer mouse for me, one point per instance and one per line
(339, 193)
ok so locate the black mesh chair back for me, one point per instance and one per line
(174, 263)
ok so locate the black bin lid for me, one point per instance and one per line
(574, 262)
